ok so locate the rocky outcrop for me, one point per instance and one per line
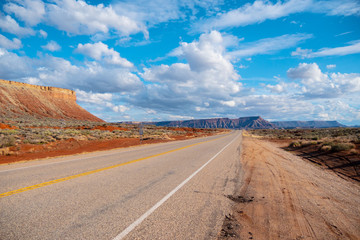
(256, 122)
(21, 100)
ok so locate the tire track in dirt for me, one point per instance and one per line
(285, 197)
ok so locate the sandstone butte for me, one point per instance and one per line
(22, 100)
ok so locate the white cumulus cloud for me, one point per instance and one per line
(43, 34)
(207, 79)
(278, 88)
(9, 44)
(29, 11)
(120, 108)
(90, 97)
(101, 100)
(58, 72)
(52, 46)
(78, 17)
(100, 51)
(10, 25)
(230, 103)
(316, 84)
(13, 67)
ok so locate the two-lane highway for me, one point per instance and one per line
(173, 190)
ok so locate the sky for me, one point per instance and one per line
(141, 60)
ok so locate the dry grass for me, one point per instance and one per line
(330, 139)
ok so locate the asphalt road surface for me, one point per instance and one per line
(175, 190)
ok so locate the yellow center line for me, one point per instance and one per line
(96, 170)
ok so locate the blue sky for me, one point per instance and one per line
(140, 60)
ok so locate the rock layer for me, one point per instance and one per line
(22, 100)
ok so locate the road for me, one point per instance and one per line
(175, 190)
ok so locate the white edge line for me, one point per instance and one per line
(158, 204)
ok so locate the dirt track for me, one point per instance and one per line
(286, 197)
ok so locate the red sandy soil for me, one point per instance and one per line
(6, 126)
(72, 146)
(283, 196)
(100, 127)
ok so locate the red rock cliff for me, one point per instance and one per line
(21, 100)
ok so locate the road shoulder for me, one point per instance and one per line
(284, 197)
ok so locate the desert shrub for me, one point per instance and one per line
(306, 144)
(325, 148)
(72, 132)
(354, 151)
(86, 132)
(330, 143)
(338, 147)
(61, 137)
(34, 141)
(9, 131)
(341, 134)
(357, 140)
(7, 141)
(295, 144)
(46, 133)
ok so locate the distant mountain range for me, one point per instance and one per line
(255, 122)
(308, 124)
(238, 123)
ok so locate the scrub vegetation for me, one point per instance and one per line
(44, 135)
(329, 139)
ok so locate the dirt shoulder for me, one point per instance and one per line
(335, 149)
(286, 197)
